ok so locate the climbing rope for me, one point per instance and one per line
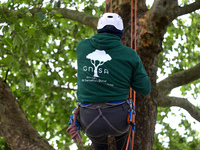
(111, 6)
(106, 6)
(132, 95)
(74, 128)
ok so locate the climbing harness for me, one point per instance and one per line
(74, 124)
(99, 106)
(74, 127)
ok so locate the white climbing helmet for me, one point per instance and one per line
(110, 19)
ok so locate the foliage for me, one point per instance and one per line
(3, 144)
(170, 137)
(180, 52)
(181, 49)
(38, 55)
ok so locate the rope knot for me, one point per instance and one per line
(99, 109)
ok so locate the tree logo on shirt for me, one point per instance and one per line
(98, 58)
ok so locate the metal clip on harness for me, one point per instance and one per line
(131, 115)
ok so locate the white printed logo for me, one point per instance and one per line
(98, 58)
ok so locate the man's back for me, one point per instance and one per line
(107, 69)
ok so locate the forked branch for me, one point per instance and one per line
(180, 102)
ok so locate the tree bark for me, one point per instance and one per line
(148, 47)
(189, 8)
(177, 79)
(14, 126)
(168, 101)
(80, 17)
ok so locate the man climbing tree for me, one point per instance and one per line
(104, 105)
(38, 42)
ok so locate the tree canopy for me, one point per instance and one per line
(38, 42)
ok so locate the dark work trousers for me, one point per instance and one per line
(106, 121)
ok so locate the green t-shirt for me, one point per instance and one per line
(107, 69)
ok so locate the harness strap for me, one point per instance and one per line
(91, 123)
(101, 114)
(103, 105)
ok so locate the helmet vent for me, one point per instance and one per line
(110, 16)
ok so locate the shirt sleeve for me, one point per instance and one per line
(140, 81)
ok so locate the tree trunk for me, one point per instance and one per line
(14, 126)
(148, 47)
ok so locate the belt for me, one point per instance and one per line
(102, 105)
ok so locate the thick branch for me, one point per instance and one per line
(169, 10)
(177, 79)
(180, 102)
(14, 126)
(165, 9)
(80, 17)
(153, 26)
(189, 8)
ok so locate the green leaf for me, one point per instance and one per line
(59, 15)
(7, 60)
(41, 16)
(17, 40)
